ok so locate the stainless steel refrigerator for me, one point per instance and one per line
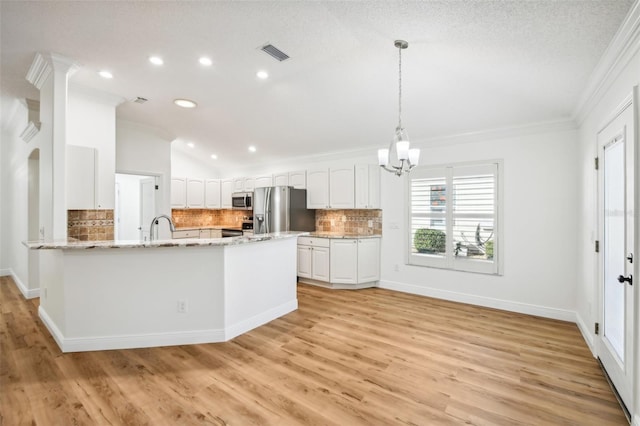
(280, 209)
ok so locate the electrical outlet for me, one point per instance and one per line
(183, 306)
(370, 224)
(396, 267)
(333, 222)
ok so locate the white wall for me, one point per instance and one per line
(185, 165)
(92, 123)
(146, 150)
(539, 223)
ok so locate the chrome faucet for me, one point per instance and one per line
(155, 222)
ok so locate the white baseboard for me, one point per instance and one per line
(26, 292)
(189, 337)
(586, 335)
(507, 305)
(636, 420)
(237, 329)
(84, 344)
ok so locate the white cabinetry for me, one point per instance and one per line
(367, 186)
(212, 193)
(296, 179)
(344, 261)
(368, 259)
(178, 193)
(281, 179)
(226, 189)
(313, 258)
(187, 193)
(195, 193)
(245, 184)
(330, 188)
(339, 262)
(81, 178)
(263, 181)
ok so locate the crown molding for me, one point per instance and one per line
(43, 64)
(97, 95)
(39, 71)
(30, 131)
(621, 49)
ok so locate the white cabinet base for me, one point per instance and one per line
(337, 286)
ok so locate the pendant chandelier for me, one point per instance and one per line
(407, 158)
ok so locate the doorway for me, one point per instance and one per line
(615, 344)
(34, 231)
(135, 206)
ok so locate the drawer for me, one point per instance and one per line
(216, 233)
(205, 233)
(191, 233)
(313, 241)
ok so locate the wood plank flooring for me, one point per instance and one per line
(367, 357)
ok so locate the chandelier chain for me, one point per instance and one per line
(400, 87)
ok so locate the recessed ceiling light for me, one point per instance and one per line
(156, 60)
(185, 103)
(252, 148)
(262, 75)
(205, 61)
(105, 74)
(191, 144)
(215, 157)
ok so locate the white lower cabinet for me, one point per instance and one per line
(339, 262)
(313, 258)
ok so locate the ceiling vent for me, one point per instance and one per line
(140, 100)
(275, 52)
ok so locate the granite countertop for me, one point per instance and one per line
(197, 228)
(186, 242)
(320, 234)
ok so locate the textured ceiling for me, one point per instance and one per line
(470, 66)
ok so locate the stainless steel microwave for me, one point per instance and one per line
(242, 200)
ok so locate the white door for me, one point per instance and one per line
(616, 212)
(147, 206)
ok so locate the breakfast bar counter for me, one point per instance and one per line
(132, 294)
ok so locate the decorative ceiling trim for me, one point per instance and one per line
(30, 131)
(39, 71)
(624, 45)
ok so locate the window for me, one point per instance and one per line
(453, 213)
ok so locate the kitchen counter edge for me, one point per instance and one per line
(186, 242)
(338, 236)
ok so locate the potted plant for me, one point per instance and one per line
(428, 240)
(488, 249)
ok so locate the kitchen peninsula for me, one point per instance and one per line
(127, 294)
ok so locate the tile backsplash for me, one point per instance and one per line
(90, 225)
(203, 218)
(360, 222)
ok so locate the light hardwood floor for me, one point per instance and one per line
(367, 357)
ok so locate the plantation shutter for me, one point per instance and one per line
(453, 217)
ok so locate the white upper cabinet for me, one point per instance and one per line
(178, 193)
(249, 184)
(367, 190)
(212, 193)
(298, 179)
(81, 178)
(238, 185)
(195, 193)
(281, 179)
(330, 188)
(318, 189)
(341, 188)
(226, 189)
(263, 181)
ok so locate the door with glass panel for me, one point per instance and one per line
(615, 343)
